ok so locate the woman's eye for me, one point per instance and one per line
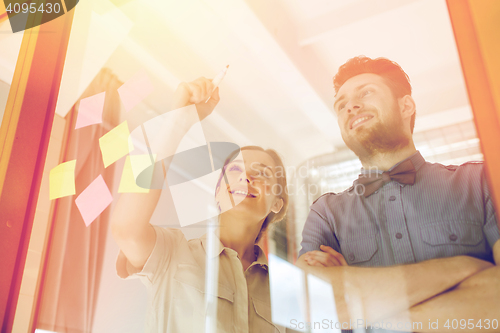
(366, 92)
(341, 107)
(235, 168)
(268, 173)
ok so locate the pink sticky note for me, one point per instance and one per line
(135, 90)
(94, 200)
(90, 110)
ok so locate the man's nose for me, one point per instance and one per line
(353, 105)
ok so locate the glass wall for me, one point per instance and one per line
(153, 192)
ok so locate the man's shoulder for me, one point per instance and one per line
(467, 166)
(332, 196)
(323, 198)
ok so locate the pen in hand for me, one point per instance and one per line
(217, 80)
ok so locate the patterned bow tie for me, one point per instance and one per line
(403, 173)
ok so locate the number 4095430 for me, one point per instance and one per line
(17, 8)
(471, 324)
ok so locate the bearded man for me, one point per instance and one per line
(430, 229)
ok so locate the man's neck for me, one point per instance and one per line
(385, 160)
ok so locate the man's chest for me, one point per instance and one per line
(405, 224)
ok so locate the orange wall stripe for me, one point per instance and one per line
(477, 32)
(15, 99)
(30, 112)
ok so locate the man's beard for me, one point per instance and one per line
(379, 139)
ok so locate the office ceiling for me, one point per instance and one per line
(282, 56)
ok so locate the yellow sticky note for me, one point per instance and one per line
(134, 165)
(62, 180)
(115, 144)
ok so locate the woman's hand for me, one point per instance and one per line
(327, 257)
(197, 92)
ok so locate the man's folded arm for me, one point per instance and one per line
(476, 300)
(375, 293)
(317, 231)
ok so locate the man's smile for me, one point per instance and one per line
(358, 120)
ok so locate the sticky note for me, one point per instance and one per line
(115, 144)
(94, 200)
(321, 301)
(194, 201)
(135, 90)
(90, 110)
(288, 294)
(62, 180)
(134, 165)
(157, 130)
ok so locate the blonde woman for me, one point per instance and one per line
(250, 194)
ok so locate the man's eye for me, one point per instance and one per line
(341, 107)
(366, 92)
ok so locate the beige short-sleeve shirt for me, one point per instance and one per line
(175, 277)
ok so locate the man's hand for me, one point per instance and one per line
(327, 257)
(197, 92)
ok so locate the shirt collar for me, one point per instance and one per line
(416, 159)
(219, 245)
(261, 256)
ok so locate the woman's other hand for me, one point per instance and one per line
(327, 257)
(197, 92)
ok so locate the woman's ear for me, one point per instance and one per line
(278, 204)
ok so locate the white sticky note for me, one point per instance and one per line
(160, 128)
(134, 166)
(322, 306)
(287, 293)
(194, 200)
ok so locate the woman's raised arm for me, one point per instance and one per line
(130, 219)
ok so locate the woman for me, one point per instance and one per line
(250, 195)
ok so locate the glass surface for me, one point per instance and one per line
(123, 65)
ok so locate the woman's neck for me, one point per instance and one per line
(240, 236)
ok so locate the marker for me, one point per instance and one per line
(217, 80)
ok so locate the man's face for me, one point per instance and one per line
(368, 115)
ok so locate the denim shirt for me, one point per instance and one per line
(446, 212)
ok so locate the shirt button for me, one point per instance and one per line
(399, 235)
(351, 257)
(453, 237)
(392, 198)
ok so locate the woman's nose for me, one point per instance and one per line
(244, 177)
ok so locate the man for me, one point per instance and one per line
(402, 210)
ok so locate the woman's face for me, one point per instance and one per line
(249, 185)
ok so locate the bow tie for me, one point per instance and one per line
(403, 173)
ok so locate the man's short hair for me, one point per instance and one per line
(396, 78)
